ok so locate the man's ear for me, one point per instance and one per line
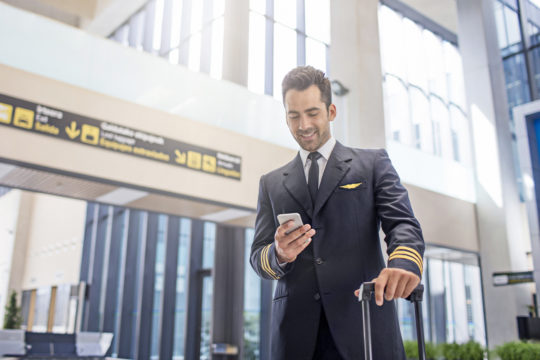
(332, 112)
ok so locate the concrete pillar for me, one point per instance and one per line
(236, 41)
(500, 229)
(355, 61)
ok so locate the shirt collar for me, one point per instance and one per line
(324, 150)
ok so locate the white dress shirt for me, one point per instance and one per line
(325, 152)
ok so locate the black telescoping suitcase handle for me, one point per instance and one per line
(368, 288)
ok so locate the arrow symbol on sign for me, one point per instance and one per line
(72, 131)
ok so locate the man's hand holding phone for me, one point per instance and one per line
(290, 241)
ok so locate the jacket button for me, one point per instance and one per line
(319, 261)
(317, 297)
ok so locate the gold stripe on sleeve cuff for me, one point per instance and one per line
(265, 263)
(407, 257)
(411, 250)
(401, 252)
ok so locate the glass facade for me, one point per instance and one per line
(453, 302)
(424, 100)
(252, 304)
(145, 249)
(284, 34)
(181, 294)
(186, 32)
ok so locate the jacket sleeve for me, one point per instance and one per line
(263, 253)
(405, 243)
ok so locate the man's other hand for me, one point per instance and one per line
(398, 283)
(288, 246)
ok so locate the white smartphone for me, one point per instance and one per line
(295, 217)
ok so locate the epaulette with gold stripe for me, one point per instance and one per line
(265, 262)
(404, 252)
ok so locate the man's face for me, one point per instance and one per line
(308, 118)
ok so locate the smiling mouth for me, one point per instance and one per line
(308, 136)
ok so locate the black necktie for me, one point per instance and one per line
(313, 176)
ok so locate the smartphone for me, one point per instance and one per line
(295, 217)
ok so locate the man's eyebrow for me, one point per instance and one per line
(293, 112)
(312, 109)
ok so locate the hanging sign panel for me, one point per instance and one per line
(45, 120)
(512, 278)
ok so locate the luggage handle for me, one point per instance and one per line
(368, 288)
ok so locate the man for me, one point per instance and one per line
(343, 195)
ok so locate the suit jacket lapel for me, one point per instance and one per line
(294, 180)
(336, 168)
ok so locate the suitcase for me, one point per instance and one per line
(368, 288)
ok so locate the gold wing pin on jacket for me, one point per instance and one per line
(350, 186)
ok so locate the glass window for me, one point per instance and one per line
(167, 37)
(258, 6)
(159, 279)
(252, 304)
(284, 55)
(436, 64)
(441, 128)
(181, 289)
(206, 318)
(423, 77)
(316, 54)
(422, 131)
(61, 308)
(515, 73)
(392, 42)
(318, 19)
(416, 60)
(209, 245)
(454, 73)
(535, 62)
(158, 25)
(176, 17)
(286, 36)
(396, 108)
(501, 27)
(216, 63)
(141, 242)
(41, 312)
(25, 307)
(285, 12)
(513, 31)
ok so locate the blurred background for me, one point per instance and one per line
(133, 135)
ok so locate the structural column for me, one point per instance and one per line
(500, 230)
(355, 61)
(236, 41)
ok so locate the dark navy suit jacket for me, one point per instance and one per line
(359, 192)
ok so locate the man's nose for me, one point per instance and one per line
(304, 122)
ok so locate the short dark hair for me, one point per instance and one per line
(302, 77)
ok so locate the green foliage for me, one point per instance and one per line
(519, 351)
(451, 351)
(12, 315)
(251, 336)
(432, 351)
(411, 350)
(469, 351)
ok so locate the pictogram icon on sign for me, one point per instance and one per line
(194, 159)
(90, 134)
(72, 130)
(180, 157)
(209, 163)
(5, 113)
(23, 118)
